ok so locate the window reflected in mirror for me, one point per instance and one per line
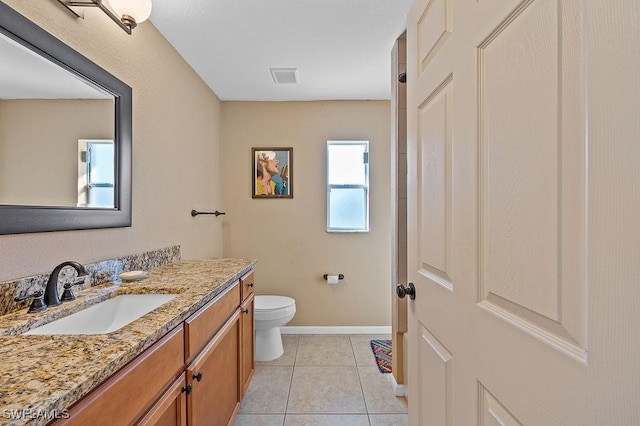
(96, 179)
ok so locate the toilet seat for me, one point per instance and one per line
(268, 303)
(270, 308)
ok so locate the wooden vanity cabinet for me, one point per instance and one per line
(195, 375)
(214, 398)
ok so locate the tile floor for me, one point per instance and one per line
(322, 380)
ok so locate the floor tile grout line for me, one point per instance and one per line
(364, 398)
(293, 371)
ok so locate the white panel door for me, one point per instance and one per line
(524, 233)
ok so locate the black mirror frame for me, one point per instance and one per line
(17, 219)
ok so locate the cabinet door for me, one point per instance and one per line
(215, 379)
(171, 408)
(246, 344)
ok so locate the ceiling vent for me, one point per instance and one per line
(284, 75)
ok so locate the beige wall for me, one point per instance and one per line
(41, 136)
(176, 122)
(288, 236)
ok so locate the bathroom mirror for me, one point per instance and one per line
(65, 135)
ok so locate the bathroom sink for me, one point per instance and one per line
(105, 317)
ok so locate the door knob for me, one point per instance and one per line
(402, 291)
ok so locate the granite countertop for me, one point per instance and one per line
(44, 375)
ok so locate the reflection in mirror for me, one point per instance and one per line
(65, 135)
(44, 111)
(96, 180)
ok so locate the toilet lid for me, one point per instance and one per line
(266, 303)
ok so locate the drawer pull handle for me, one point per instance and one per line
(250, 285)
(187, 389)
(198, 376)
(245, 311)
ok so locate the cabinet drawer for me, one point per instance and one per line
(203, 325)
(128, 393)
(247, 286)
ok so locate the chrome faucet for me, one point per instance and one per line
(51, 297)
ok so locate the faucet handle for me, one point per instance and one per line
(37, 305)
(67, 294)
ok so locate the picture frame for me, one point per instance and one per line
(272, 172)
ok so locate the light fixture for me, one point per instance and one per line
(126, 13)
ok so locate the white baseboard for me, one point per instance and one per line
(398, 390)
(336, 330)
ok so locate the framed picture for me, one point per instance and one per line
(272, 172)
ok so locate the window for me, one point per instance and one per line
(100, 173)
(347, 186)
(96, 173)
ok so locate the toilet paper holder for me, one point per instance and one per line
(340, 276)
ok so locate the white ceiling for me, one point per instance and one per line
(341, 48)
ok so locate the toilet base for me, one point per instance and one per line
(268, 344)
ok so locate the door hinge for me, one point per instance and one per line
(365, 158)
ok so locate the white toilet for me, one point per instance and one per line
(270, 313)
